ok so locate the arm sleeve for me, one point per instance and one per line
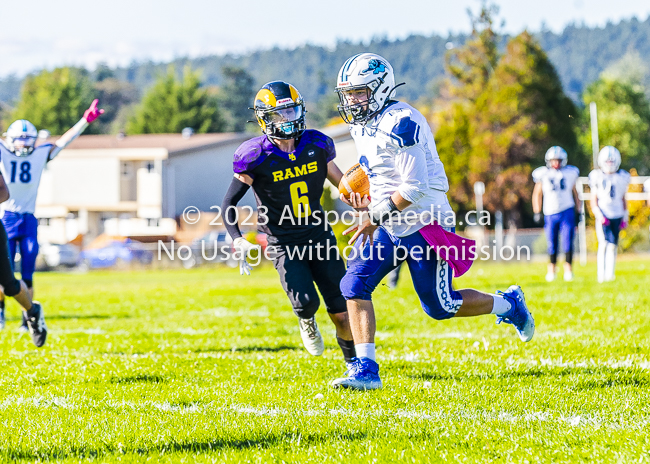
(67, 138)
(411, 163)
(235, 192)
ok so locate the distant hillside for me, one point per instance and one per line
(579, 53)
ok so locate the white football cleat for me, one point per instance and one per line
(568, 276)
(550, 276)
(311, 337)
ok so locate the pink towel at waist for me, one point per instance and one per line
(451, 247)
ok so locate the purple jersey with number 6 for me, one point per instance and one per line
(288, 186)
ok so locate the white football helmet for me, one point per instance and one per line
(369, 73)
(609, 160)
(21, 137)
(556, 153)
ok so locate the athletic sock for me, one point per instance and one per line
(501, 305)
(365, 350)
(347, 347)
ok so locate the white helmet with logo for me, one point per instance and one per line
(364, 72)
(556, 153)
(609, 159)
(21, 137)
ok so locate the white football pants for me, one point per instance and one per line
(606, 256)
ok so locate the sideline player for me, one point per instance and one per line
(287, 168)
(608, 187)
(32, 311)
(556, 182)
(396, 147)
(22, 166)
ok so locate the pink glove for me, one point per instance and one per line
(605, 221)
(93, 113)
(623, 225)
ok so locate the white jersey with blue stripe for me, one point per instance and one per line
(22, 174)
(398, 152)
(557, 187)
(610, 190)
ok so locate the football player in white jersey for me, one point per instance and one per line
(408, 185)
(608, 187)
(22, 163)
(555, 194)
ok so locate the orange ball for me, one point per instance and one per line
(354, 181)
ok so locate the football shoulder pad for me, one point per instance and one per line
(595, 176)
(539, 173)
(322, 141)
(400, 127)
(249, 155)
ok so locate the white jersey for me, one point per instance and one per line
(610, 190)
(557, 187)
(22, 174)
(397, 150)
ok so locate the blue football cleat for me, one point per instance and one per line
(519, 315)
(2, 317)
(362, 374)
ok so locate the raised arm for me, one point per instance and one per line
(75, 131)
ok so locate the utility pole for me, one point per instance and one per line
(595, 145)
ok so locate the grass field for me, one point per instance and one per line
(207, 366)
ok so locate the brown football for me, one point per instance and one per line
(354, 181)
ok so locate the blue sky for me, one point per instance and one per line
(46, 33)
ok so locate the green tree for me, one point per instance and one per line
(171, 105)
(623, 120)
(324, 113)
(114, 95)
(55, 100)
(236, 97)
(503, 111)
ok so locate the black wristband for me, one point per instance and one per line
(384, 211)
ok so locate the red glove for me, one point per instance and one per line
(93, 113)
(623, 225)
(605, 221)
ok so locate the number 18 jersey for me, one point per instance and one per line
(22, 174)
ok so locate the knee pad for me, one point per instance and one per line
(336, 305)
(307, 307)
(353, 287)
(11, 288)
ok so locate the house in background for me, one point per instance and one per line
(138, 186)
(132, 186)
